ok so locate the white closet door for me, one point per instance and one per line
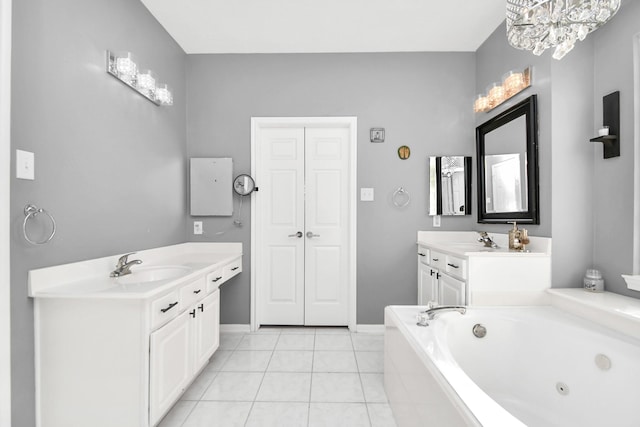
(326, 226)
(281, 275)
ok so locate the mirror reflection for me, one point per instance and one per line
(507, 166)
(505, 163)
(449, 185)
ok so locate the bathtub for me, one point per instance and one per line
(536, 367)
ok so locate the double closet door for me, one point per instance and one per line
(303, 219)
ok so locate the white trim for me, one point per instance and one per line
(636, 155)
(235, 329)
(5, 180)
(370, 329)
(352, 124)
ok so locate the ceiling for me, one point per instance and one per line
(298, 26)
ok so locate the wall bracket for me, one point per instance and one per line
(611, 118)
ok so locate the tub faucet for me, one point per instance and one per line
(431, 312)
(484, 238)
(124, 265)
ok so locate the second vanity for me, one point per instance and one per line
(455, 269)
(121, 351)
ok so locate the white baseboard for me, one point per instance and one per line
(245, 329)
(235, 329)
(370, 329)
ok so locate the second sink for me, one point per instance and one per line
(147, 274)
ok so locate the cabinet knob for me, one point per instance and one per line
(201, 307)
(216, 279)
(421, 254)
(453, 265)
(235, 268)
(198, 291)
(192, 313)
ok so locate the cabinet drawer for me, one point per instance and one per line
(231, 269)
(436, 259)
(164, 309)
(192, 292)
(456, 267)
(423, 255)
(214, 280)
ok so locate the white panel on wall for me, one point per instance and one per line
(211, 186)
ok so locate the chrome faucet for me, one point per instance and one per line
(124, 265)
(431, 312)
(486, 239)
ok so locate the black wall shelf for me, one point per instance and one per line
(611, 118)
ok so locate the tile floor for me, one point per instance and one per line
(289, 377)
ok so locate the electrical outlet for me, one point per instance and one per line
(436, 220)
(197, 227)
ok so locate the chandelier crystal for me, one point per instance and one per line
(538, 25)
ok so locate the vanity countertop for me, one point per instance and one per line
(465, 243)
(90, 279)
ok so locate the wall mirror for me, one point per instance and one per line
(450, 185)
(507, 160)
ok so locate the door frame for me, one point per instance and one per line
(335, 122)
(5, 181)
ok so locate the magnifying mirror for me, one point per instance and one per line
(244, 185)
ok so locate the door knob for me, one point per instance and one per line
(298, 234)
(310, 234)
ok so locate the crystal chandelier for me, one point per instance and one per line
(540, 24)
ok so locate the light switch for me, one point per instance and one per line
(366, 194)
(436, 220)
(25, 165)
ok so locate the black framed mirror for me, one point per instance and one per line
(507, 164)
(450, 185)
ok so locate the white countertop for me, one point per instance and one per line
(466, 243)
(90, 279)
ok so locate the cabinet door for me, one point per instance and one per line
(427, 284)
(170, 365)
(206, 337)
(452, 291)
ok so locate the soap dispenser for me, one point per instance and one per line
(514, 238)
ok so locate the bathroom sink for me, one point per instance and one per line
(144, 275)
(470, 247)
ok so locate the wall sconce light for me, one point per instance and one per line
(124, 68)
(513, 82)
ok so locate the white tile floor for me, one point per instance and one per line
(289, 377)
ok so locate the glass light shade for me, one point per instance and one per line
(513, 82)
(164, 95)
(496, 94)
(146, 83)
(538, 25)
(126, 67)
(481, 104)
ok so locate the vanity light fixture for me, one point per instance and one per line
(123, 67)
(538, 25)
(513, 82)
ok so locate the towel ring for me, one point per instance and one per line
(401, 197)
(31, 211)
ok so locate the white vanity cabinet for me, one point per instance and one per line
(116, 355)
(436, 281)
(455, 269)
(179, 350)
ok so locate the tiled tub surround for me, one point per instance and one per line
(536, 366)
(113, 352)
(295, 377)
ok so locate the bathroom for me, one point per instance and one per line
(113, 168)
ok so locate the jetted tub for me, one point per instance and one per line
(536, 367)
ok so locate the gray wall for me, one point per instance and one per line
(423, 100)
(613, 179)
(110, 165)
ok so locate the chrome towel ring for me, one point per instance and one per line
(401, 197)
(31, 211)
